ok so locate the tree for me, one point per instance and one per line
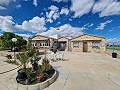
(6, 40)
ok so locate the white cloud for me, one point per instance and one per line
(18, 6)
(36, 25)
(25, 36)
(53, 8)
(50, 14)
(35, 2)
(113, 9)
(102, 25)
(53, 14)
(117, 40)
(61, 0)
(107, 8)
(81, 7)
(7, 24)
(103, 7)
(49, 20)
(58, 23)
(6, 2)
(88, 25)
(70, 19)
(65, 30)
(64, 11)
(1, 7)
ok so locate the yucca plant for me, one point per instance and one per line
(30, 51)
(23, 59)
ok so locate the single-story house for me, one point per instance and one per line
(41, 42)
(83, 43)
(88, 43)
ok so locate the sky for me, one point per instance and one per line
(73, 18)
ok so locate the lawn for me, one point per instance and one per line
(115, 48)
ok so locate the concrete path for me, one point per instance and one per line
(79, 71)
(87, 71)
(5, 78)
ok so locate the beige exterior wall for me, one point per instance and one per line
(89, 39)
(76, 49)
(41, 39)
(69, 45)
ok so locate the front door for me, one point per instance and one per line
(85, 47)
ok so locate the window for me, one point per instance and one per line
(43, 44)
(75, 44)
(96, 45)
(40, 44)
(49, 44)
(35, 44)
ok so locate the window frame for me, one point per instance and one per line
(76, 44)
(96, 44)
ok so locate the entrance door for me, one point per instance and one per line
(85, 47)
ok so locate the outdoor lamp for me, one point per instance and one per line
(14, 40)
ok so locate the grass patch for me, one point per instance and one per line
(12, 62)
(114, 48)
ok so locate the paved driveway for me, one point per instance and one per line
(79, 71)
(87, 71)
(6, 82)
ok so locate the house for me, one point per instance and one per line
(41, 42)
(88, 43)
(83, 43)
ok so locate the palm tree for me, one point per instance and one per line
(23, 59)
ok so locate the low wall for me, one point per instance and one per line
(41, 85)
(110, 53)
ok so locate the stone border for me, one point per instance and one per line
(39, 86)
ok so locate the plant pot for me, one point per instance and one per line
(21, 75)
(48, 72)
(28, 81)
(114, 55)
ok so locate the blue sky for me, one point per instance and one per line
(72, 17)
